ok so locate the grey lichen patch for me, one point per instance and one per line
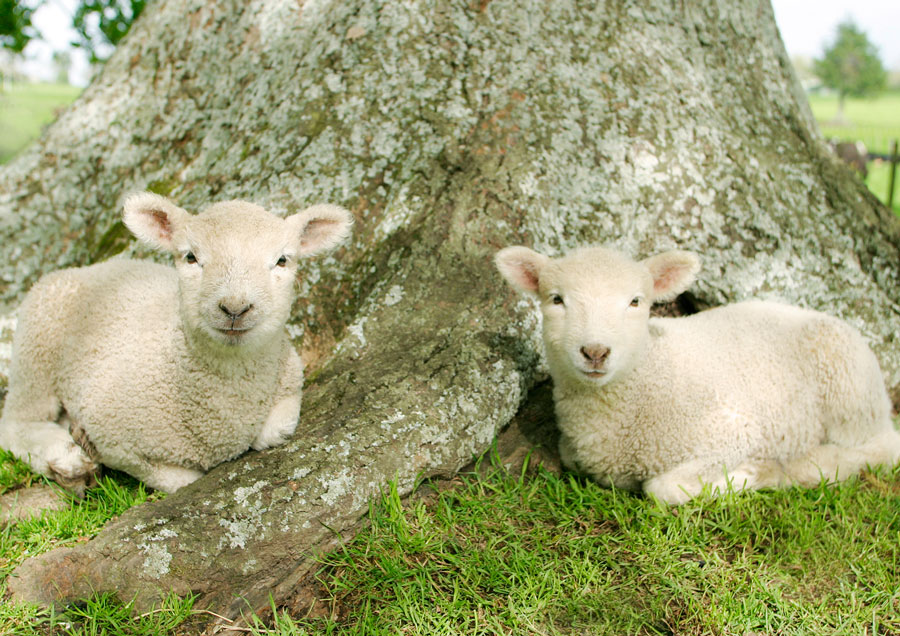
(156, 553)
(156, 563)
(7, 330)
(335, 487)
(242, 495)
(238, 532)
(245, 521)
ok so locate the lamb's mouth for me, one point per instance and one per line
(233, 333)
(594, 373)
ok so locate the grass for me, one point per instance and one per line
(537, 553)
(550, 555)
(874, 121)
(25, 108)
(113, 495)
(77, 523)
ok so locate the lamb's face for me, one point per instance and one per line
(595, 305)
(235, 261)
(236, 265)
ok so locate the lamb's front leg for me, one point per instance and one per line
(167, 477)
(688, 479)
(50, 450)
(280, 425)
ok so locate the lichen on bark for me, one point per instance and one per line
(451, 128)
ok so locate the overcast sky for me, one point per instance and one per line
(806, 27)
(54, 21)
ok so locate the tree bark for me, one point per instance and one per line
(451, 128)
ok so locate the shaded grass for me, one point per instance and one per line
(114, 494)
(558, 555)
(82, 519)
(25, 108)
(101, 615)
(536, 553)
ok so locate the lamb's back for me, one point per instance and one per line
(750, 362)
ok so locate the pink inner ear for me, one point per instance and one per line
(162, 223)
(316, 232)
(671, 277)
(666, 279)
(530, 276)
(527, 275)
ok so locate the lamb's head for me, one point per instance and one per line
(236, 262)
(595, 304)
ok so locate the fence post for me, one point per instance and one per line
(890, 193)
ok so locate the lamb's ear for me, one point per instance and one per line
(521, 267)
(153, 219)
(321, 227)
(672, 272)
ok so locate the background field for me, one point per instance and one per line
(873, 121)
(25, 109)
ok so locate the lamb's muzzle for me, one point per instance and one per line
(595, 354)
(235, 310)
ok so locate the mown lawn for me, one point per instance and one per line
(537, 553)
(25, 108)
(873, 121)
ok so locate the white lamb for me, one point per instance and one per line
(167, 372)
(755, 394)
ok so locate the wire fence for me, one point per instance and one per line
(876, 138)
(880, 157)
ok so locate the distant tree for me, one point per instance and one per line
(62, 63)
(102, 23)
(851, 65)
(16, 30)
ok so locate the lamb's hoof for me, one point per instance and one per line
(274, 435)
(74, 471)
(666, 491)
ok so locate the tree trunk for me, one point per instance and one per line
(451, 128)
(840, 119)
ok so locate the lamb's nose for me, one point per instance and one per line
(596, 354)
(234, 310)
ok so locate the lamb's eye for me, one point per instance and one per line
(281, 262)
(556, 299)
(190, 258)
(636, 301)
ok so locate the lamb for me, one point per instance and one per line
(167, 372)
(751, 395)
